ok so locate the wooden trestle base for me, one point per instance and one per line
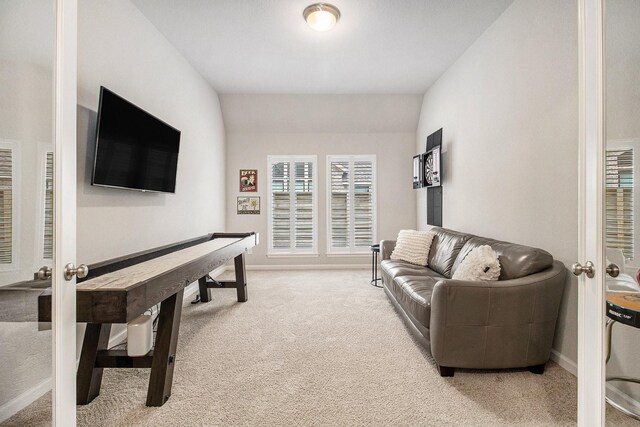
(95, 356)
(206, 284)
(166, 288)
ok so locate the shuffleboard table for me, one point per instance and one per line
(119, 290)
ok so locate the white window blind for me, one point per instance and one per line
(619, 200)
(292, 210)
(47, 236)
(6, 206)
(351, 218)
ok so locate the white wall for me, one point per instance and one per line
(509, 112)
(262, 125)
(119, 49)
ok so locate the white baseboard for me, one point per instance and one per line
(564, 362)
(20, 402)
(113, 341)
(308, 267)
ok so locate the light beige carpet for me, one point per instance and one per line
(318, 348)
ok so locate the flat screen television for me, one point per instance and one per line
(134, 149)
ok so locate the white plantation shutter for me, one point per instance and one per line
(280, 206)
(303, 209)
(6, 206)
(351, 203)
(619, 200)
(47, 237)
(292, 210)
(363, 203)
(339, 204)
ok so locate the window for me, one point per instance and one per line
(47, 233)
(619, 200)
(351, 196)
(7, 205)
(292, 206)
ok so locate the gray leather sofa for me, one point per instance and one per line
(508, 323)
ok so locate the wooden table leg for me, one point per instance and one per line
(241, 277)
(89, 379)
(164, 350)
(205, 292)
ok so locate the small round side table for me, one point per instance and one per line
(375, 250)
(622, 308)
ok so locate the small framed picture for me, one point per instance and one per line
(248, 180)
(248, 205)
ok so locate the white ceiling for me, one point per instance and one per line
(379, 46)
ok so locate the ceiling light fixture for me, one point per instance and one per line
(321, 16)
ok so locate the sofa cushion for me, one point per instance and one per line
(445, 248)
(391, 269)
(413, 293)
(515, 260)
(395, 268)
(413, 246)
(479, 264)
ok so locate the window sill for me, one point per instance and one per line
(292, 255)
(348, 254)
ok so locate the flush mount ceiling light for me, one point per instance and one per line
(321, 16)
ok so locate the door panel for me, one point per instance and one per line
(27, 59)
(590, 248)
(64, 291)
(37, 137)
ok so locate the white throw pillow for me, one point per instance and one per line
(479, 264)
(413, 246)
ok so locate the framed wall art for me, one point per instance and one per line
(248, 205)
(248, 180)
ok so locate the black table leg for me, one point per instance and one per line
(164, 350)
(241, 277)
(205, 292)
(374, 266)
(89, 379)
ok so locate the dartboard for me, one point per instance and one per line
(428, 169)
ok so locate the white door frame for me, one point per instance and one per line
(591, 298)
(64, 292)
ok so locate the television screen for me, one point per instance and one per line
(134, 149)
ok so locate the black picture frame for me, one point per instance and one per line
(418, 171)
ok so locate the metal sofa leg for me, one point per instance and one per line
(446, 371)
(537, 369)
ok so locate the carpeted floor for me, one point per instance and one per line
(318, 348)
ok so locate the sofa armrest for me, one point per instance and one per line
(504, 323)
(386, 247)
